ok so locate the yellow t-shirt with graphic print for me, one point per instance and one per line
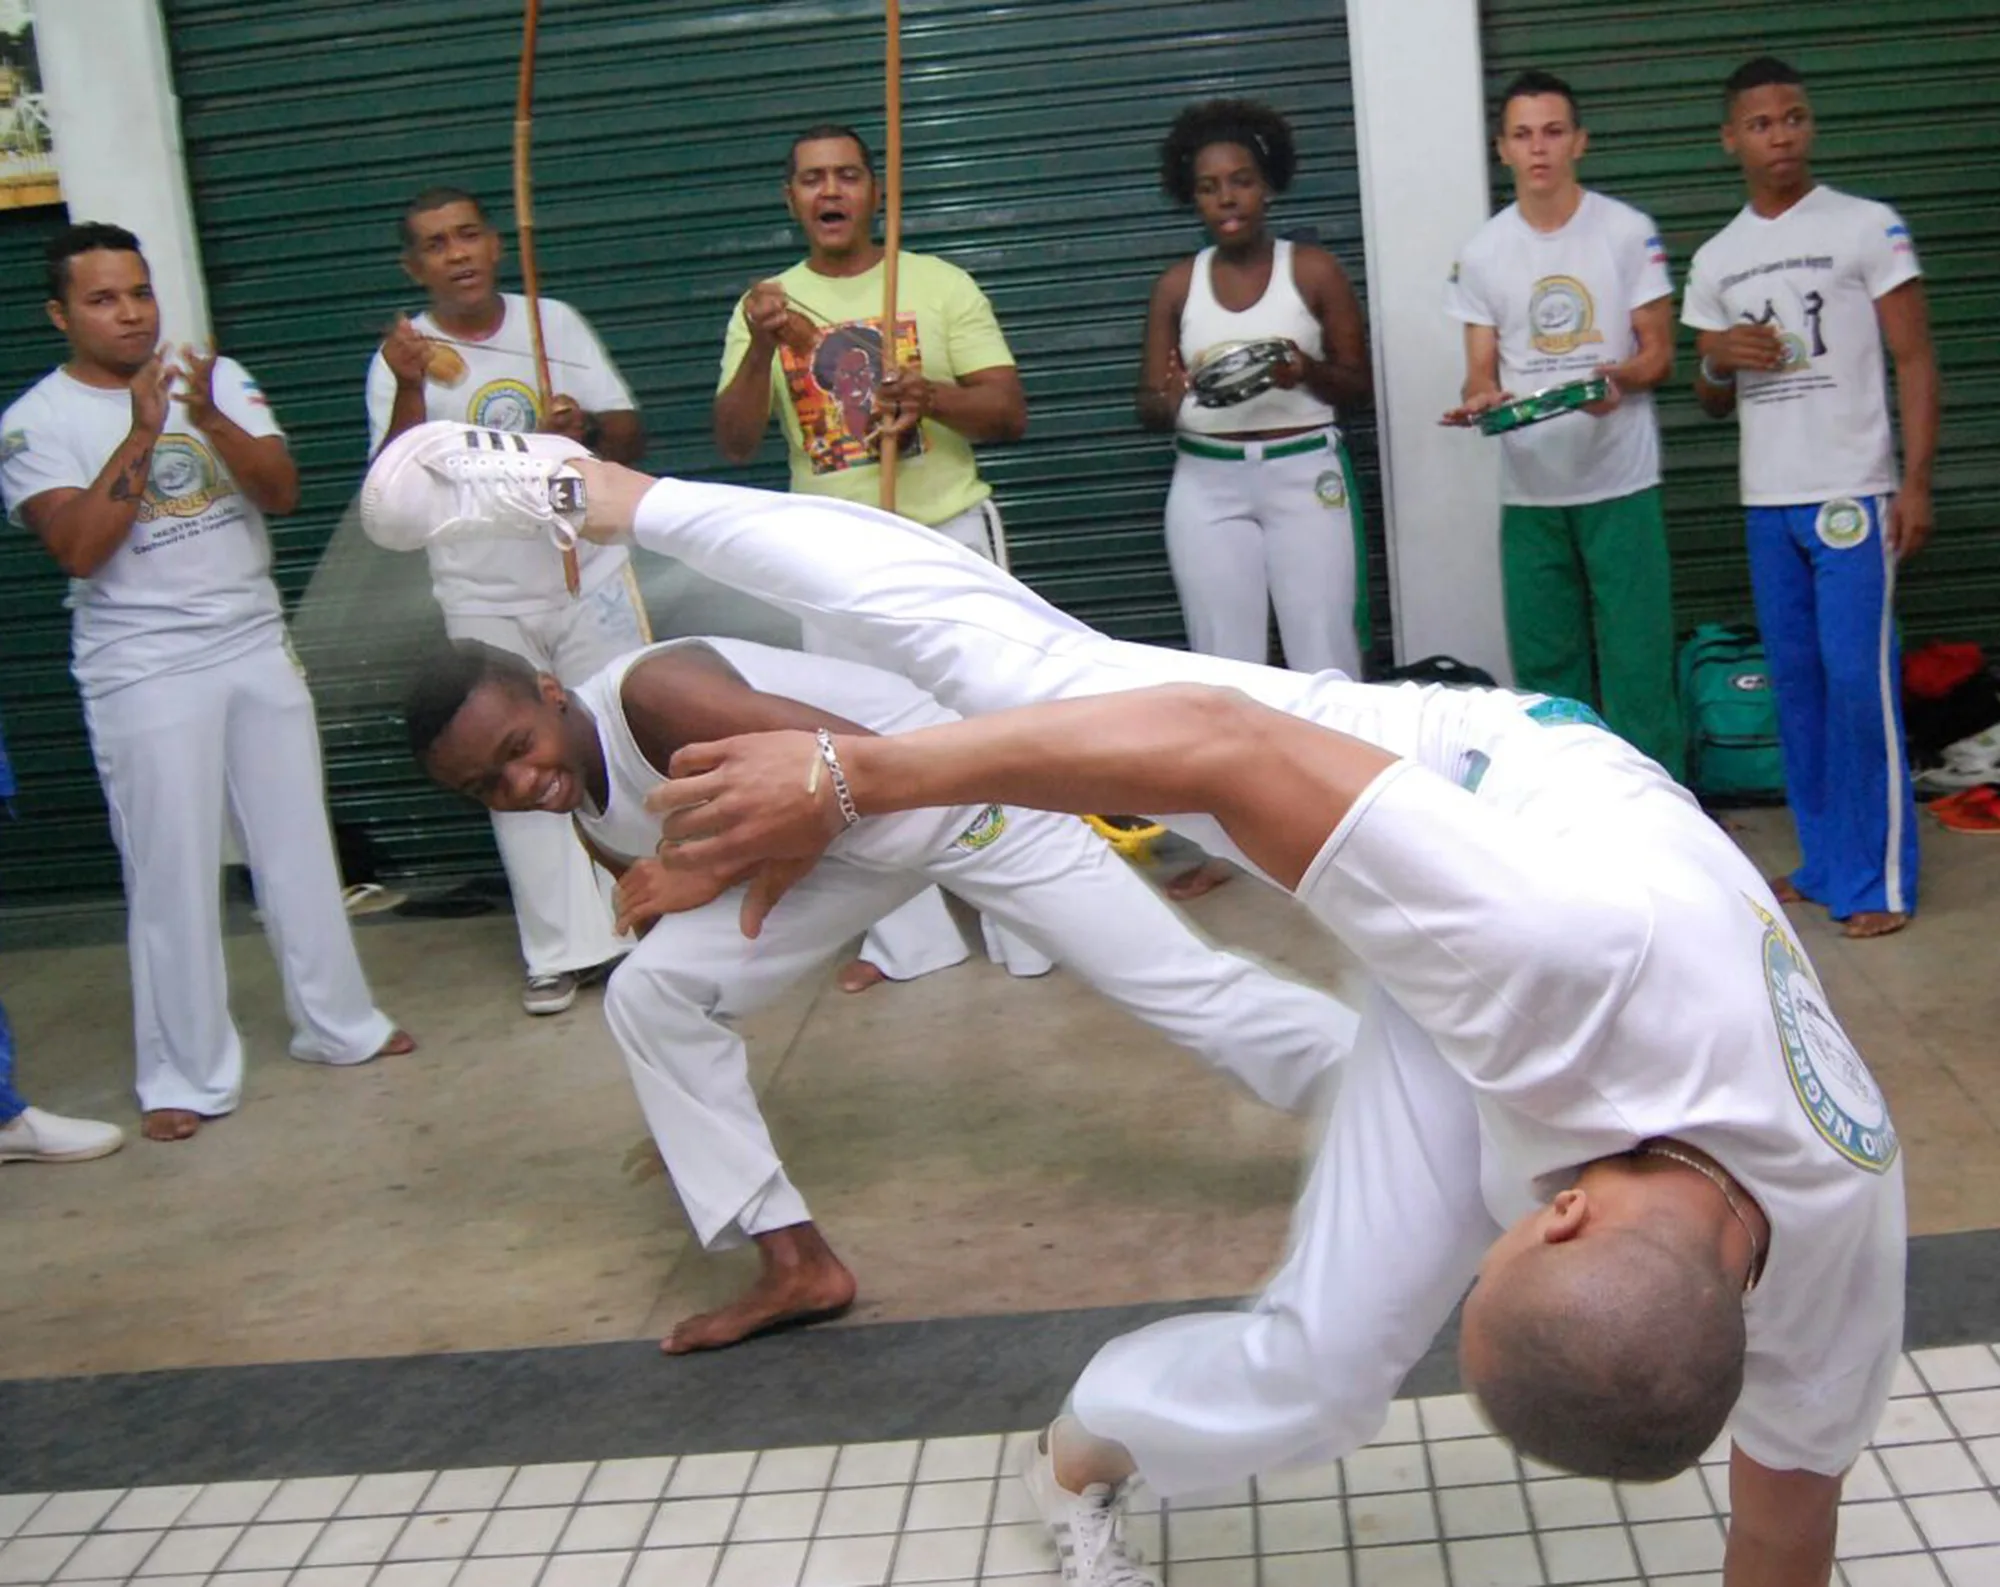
(824, 399)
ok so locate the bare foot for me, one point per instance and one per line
(399, 1043)
(170, 1124)
(802, 1282)
(1874, 923)
(1787, 891)
(1204, 878)
(859, 975)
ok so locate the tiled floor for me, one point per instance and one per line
(1434, 1502)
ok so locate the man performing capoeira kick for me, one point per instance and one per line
(1597, 1083)
(482, 722)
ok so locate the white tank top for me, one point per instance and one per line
(1281, 311)
(880, 701)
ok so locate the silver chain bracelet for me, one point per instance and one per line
(841, 793)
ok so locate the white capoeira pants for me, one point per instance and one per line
(173, 753)
(1046, 877)
(1256, 533)
(1392, 1223)
(920, 936)
(562, 901)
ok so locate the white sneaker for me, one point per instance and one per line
(442, 482)
(549, 994)
(39, 1137)
(1088, 1527)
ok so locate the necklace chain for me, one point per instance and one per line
(1720, 1180)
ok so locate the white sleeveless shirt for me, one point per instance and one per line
(882, 702)
(1281, 311)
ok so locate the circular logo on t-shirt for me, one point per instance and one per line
(1841, 523)
(505, 404)
(1828, 1077)
(1561, 315)
(184, 481)
(1331, 488)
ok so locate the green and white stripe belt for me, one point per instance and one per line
(1237, 452)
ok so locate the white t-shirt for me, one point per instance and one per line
(510, 578)
(191, 586)
(1602, 965)
(882, 702)
(1562, 304)
(1819, 427)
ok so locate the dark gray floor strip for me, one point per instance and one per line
(601, 1402)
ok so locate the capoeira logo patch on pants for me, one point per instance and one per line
(1828, 1077)
(984, 832)
(1331, 488)
(1841, 523)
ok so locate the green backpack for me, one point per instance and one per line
(1732, 716)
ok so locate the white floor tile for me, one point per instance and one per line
(1971, 1567)
(141, 1510)
(1986, 1451)
(1668, 1547)
(350, 1576)
(1308, 1570)
(936, 1506)
(253, 1578)
(389, 1493)
(1572, 1501)
(1912, 1570)
(1210, 1534)
(357, 1540)
(1472, 1462)
(1495, 1562)
(668, 1567)
(1302, 1526)
(1958, 1367)
(70, 1512)
(1907, 1380)
(278, 1546)
(1391, 1518)
(470, 1488)
(1400, 1427)
(774, 1517)
(521, 1532)
(857, 1512)
(1011, 1503)
(1589, 1554)
(1975, 1414)
(1958, 1520)
(1931, 1468)
(449, 1534)
(1421, 1565)
(16, 1508)
(849, 1561)
(534, 1487)
(684, 1523)
(959, 1459)
(190, 1550)
(711, 1476)
(1445, 1416)
(761, 1565)
(1214, 1573)
(1866, 1479)
(1231, 1497)
(1020, 1549)
(412, 1573)
(629, 1481)
(606, 1568)
(938, 1556)
(1398, 1468)
(602, 1528)
(517, 1570)
(1678, 1499)
(306, 1499)
(1301, 1482)
(780, 1470)
(1876, 1526)
(1491, 1511)
(875, 1465)
(1912, 1422)
(109, 1556)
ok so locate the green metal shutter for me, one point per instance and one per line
(660, 133)
(1908, 102)
(61, 845)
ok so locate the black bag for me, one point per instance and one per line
(1442, 669)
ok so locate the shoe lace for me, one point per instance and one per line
(1100, 1555)
(516, 483)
